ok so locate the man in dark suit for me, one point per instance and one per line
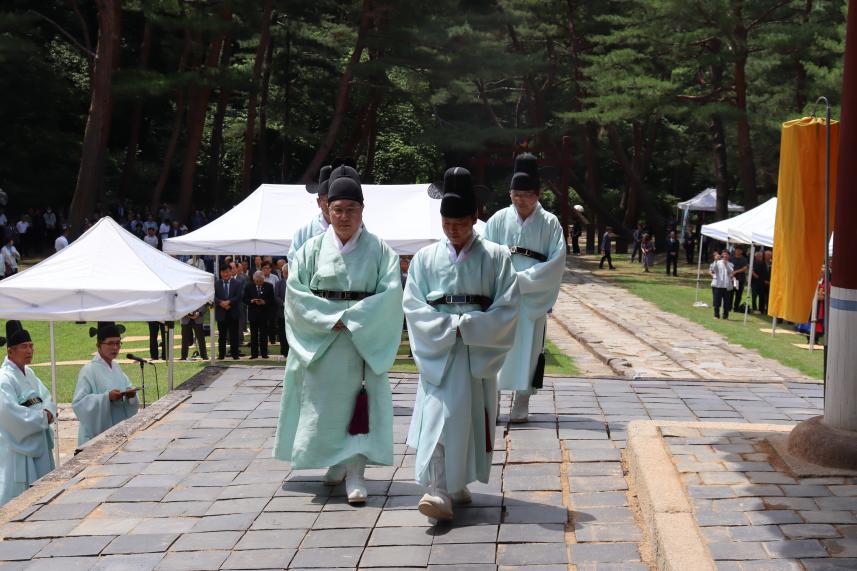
(279, 319)
(227, 303)
(192, 326)
(259, 298)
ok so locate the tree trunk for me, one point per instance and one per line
(136, 118)
(634, 171)
(800, 70)
(172, 145)
(371, 137)
(263, 115)
(341, 106)
(215, 161)
(721, 176)
(287, 98)
(197, 109)
(94, 152)
(745, 146)
(261, 49)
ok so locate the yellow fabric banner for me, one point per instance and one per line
(799, 239)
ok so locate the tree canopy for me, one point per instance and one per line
(645, 102)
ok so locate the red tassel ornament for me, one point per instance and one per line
(360, 419)
(489, 445)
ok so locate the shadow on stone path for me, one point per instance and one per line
(199, 489)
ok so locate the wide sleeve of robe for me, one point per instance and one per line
(368, 320)
(19, 424)
(431, 332)
(539, 284)
(488, 334)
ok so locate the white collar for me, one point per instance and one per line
(322, 222)
(523, 223)
(99, 359)
(350, 244)
(459, 257)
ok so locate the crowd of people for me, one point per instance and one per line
(731, 271)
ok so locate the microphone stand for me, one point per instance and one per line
(143, 381)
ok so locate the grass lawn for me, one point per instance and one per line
(73, 343)
(676, 295)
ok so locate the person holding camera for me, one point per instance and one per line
(722, 276)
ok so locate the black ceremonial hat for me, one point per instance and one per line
(343, 171)
(528, 163)
(16, 334)
(345, 188)
(106, 330)
(523, 181)
(459, 200)
(320, 187)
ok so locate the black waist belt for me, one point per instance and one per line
(341, 295)
(31, 401)
(529, 253)
(461, 299)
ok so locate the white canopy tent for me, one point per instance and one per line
(404, 216)
(706, 201)
(754, 227)
(107, 274)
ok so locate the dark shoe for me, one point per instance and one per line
(235, 357)
(612, 267)
(221, 357)
(254, 356)
(264, 356)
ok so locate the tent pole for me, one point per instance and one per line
(813, 319)
(211, 322)
(773, 325)
(171, 354)
(54, 393)
(698, 269)
(749, 282)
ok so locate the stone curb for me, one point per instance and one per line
(618, 365)
(666, 508)
(54, 483)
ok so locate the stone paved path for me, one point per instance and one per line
(641, 341)
(753, 513)
(199, 490)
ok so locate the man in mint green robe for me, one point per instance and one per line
(26, 413)
(339, 345)
(461, 306)
(104, 396)
(537, 242)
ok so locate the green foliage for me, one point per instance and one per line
(448, 80)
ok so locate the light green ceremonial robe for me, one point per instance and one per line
(315, 227)
(457, 395)
(91, 403)
(538, 283)
(325, 368)
(26, 438)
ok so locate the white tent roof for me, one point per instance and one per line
(754, 226)
(706, 201)
(403, 215)
(106, 274)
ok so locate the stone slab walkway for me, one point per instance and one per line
(199, 490)
(638, 340)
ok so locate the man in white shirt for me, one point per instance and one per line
(62, 240)
(722, 272)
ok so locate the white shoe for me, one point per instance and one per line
(355, 485)
(462, 497)
(520, 409)
(335, 475)
(437, 506)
